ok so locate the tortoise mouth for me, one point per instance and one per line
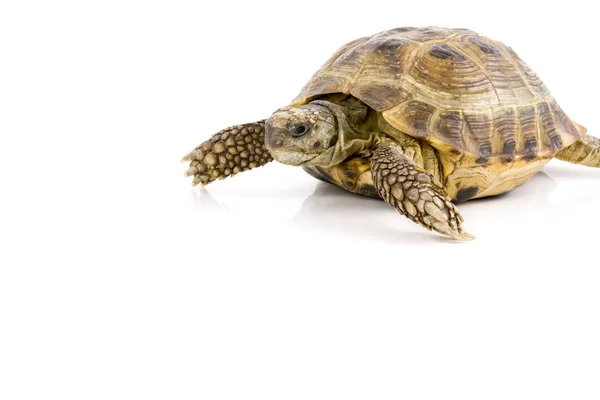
(294, 158)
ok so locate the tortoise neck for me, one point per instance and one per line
(354, 134)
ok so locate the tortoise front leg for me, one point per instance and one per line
(414, 192)
(232, 150)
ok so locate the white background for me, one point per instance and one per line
(120, 281)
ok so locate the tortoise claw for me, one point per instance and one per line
(189, 156)
(190, 172)
(462, 236)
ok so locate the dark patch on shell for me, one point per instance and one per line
(351, 173)
(485, 149)
(369, 190)
(547, 125)
(466, 194)
(485, 47)
(450, 126)
(509, 148)
(444, 52)
(390, 46)
(556, 142)
(531, 149)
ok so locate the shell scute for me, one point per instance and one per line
(484, 45)
(449, 126)
(565, 125)
(507, 128)
(547, 126)
(445, 52)
(481, 128)
(413, 116)
(452, 81)
(380, 96)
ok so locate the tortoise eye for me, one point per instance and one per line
(300, 130)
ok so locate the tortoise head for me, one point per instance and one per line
(301, 135)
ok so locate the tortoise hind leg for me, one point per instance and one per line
(414, 192)
(232, 150)
(585, 151)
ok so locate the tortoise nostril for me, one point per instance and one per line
(273, 141)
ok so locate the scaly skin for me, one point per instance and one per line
(414, 192)
(232, 150)
(585, 151)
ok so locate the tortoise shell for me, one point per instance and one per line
(449, 86)
(472, 98)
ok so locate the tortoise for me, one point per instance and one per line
(420, 117)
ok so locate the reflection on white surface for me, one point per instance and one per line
(336, 211)
(203, 200)
(330, 210)
(330, 199)
(333, 210)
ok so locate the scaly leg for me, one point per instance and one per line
(232, 150)
(585, 151)
(414, 192)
